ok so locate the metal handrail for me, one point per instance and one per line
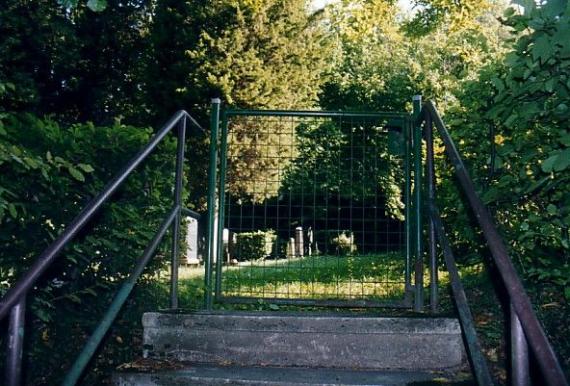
(14, 300)
(478, 361)
(522, 310)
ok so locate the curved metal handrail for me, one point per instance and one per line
(538, 342)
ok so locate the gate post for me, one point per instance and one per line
(221, 205)
(418, 263)
(408, 209)
(211, 237)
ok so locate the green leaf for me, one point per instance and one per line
(563, 161)
(76, 174)
(542, 49)
(511, 119)
(554, 8)
(498, 83)
(74, 298)
(97, 5)
(12, 210)
(43, 315)
(86, 168)
(567, 293)
(565, 139)
(91, 291)
(549, 85)
(548, 164)
(274, 307)
(68, 3)
(551, 209)
(561, 108)
(509, 12)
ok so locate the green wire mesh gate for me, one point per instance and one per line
(312, 208)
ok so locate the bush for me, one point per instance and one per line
(343, 244)
(254, 245)
(336, 241)
(48, 172)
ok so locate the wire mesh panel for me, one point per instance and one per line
(313, 208)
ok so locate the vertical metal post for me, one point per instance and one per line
(430, 175)
(176, 224)
(419, 264)
(211, 239)
(520, 374)
(408, 209)
(221, 204)
(15, 343)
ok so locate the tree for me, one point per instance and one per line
(73, 62)
(525, 100)
(387, 59)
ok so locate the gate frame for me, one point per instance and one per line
(412, 133)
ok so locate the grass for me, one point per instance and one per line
(373, 276)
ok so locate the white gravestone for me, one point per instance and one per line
(191, 241)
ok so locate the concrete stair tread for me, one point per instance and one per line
(203, 374)
(305, 340)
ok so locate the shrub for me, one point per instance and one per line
(254, 245)
(343, 244)
(335, 241)
(48, 172)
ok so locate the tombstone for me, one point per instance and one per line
(299, 248)
(310, 241)
(291, 248)
(226, 241)
(191, 252)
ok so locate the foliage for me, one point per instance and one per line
(343, 244)
(384, 61)
(348, 160)
(47, 174)
(335, 242)
(525, 99)
(252, 54)
(111, 61)
(254, 245)
(78, 64)
(94, 5)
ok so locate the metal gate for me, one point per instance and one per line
(312, 208)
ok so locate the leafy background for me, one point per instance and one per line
(82, 84)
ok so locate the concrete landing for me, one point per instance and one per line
(258, 376)
(305, 340)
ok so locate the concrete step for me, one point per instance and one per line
(200, 374)
(305, 340)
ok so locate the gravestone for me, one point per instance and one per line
(291, 248)
(191, 252)
(299, 247)
(310, 241)
(226, 240)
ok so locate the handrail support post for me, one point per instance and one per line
(15, 344)
(520, 374)
(430, 176)
(176, 223)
